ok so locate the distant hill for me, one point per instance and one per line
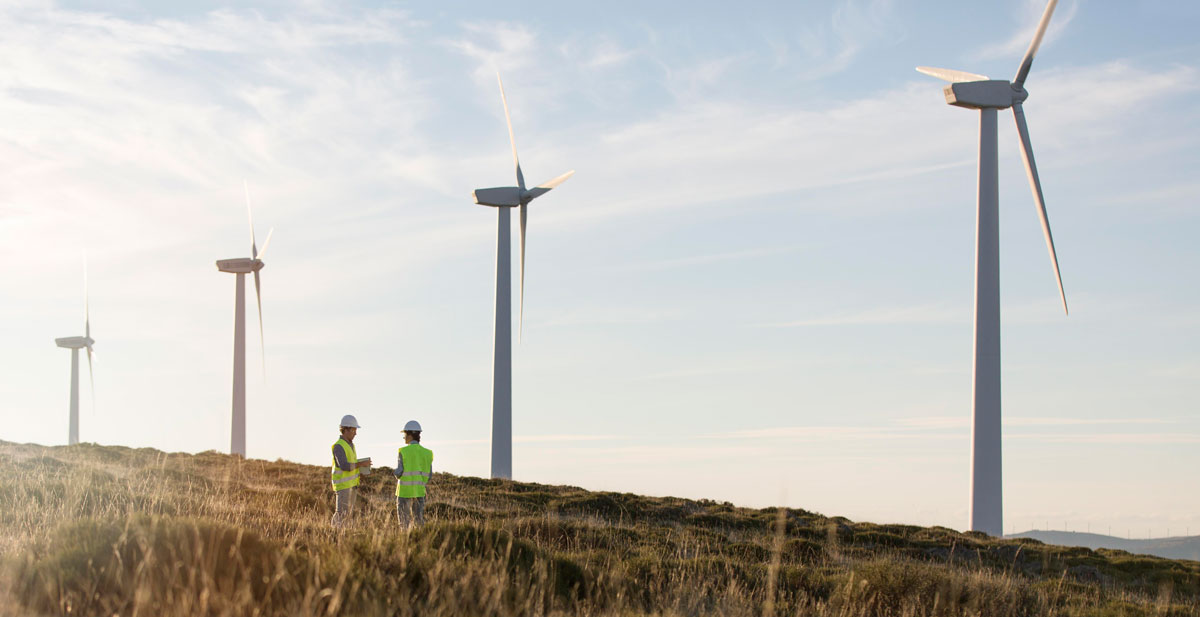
(1179, 547)
(91, 530)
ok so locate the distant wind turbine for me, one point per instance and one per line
(503, 198)
(241, 267)
(75, 343)
(978, 92)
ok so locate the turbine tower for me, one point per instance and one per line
(75, 343)
(989, 96)
(503, 198)
(241, 267)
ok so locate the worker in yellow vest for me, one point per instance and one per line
(345, 471)
(414, 468)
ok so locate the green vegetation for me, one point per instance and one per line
(92, 530)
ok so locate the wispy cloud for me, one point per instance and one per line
(611, 316)
(832, 434)
(694, 372)
(688, 81)
(1036, 421)
(934, 422)
(608, 54)
(1142, 439)
(701, 260)
(928, 314)
(1185, 370)
(1030, 14)
(502, 46)
(950, 427)
(546, 439)
(831, 47)
(947, 422)
(1177, 198)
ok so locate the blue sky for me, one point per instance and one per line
(757, 287)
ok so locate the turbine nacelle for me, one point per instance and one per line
(990, 94)
(499, 197)
(515, 196)
(75, 342)
(241, 265)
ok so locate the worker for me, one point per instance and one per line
(414, 468)
(345, 471)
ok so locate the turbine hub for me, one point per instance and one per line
(1019, 94)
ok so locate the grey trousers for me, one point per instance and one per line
(344, 506)
(409, 508)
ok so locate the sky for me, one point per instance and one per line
(757, 287)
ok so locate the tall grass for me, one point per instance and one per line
(89, 530)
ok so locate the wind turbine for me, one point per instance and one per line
(503, 198)
(75, 343)
(241, 267)
(988, 96)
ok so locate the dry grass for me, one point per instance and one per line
(90, 530)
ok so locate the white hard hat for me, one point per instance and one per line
(349, 421)
(413, 425)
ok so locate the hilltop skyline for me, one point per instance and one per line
(765, 255)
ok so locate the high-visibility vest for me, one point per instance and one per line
(418, 467)
(344, 479)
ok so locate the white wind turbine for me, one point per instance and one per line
(988, 96)
(75, 343)
(503, 198)
(241, 267)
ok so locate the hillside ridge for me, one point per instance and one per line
(106, 529)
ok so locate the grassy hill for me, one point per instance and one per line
(92, 530)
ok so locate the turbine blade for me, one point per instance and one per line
(545, 187)
(511, 137)
(91, 377)
(87, 319)
(521, 310)
(250, 215)
(261, 339)
(1036, 185)
(950, 75)
(1027, 61)
(549, 184)
(266, 243)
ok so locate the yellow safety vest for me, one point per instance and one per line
(418, 467)
(344, 479)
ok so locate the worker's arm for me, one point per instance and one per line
(339, 457)
(399, 465)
